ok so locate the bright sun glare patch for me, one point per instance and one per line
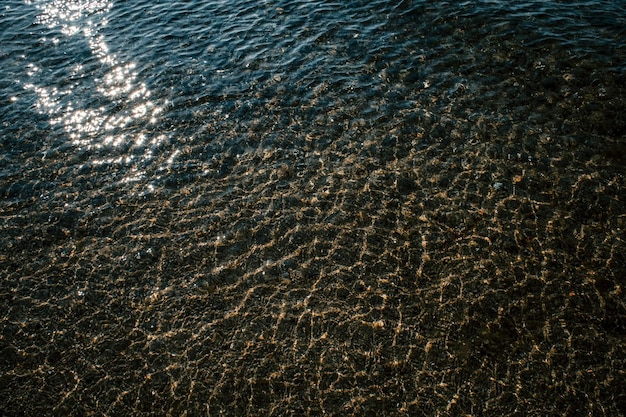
(73, 105)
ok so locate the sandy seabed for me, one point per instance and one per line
(447, 279)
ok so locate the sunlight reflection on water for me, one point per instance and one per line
(104, 117)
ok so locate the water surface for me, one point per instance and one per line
(292, 208)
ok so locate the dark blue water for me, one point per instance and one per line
(290, 208)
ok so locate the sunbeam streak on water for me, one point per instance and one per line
(96, 97)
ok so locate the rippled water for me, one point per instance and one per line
(307, 208)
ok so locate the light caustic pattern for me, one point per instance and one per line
(403, 283)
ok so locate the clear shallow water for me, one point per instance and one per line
(274, 207)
